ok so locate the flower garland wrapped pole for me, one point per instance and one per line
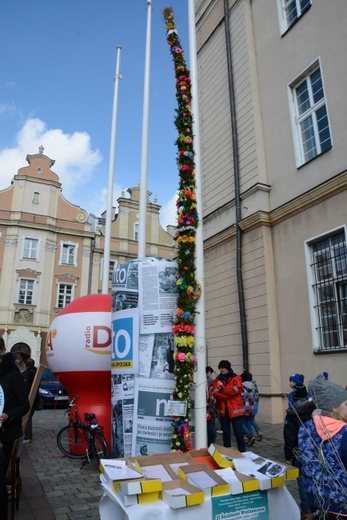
(187, 220)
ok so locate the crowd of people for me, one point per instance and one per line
(315, 441)
(16, 378)
(315, 433)
(315, 428)
(232, 399)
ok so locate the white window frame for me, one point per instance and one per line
(282, 13)
(64, 245)
(112, 266)
(64, 294)
(30, 239)
(26, 290)
(297, 119)
(317, 342)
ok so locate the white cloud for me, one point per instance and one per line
(168, 213)
(72, 152)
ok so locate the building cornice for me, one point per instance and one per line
(305, 201)
(324, 191)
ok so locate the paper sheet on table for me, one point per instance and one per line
(227, 474)
(177, 492)
(262, 470)
(176, 465)
(118, 470)
(156, 471)
(201, 480)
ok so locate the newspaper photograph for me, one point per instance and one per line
(125, 286)
(156, 353)
(122, 395)
(157, 295)
(152, 428)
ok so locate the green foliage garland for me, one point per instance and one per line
(187, 220)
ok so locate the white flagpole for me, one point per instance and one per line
(200, 335)
(107, 242)
(144, 154)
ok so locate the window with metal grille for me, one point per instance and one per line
(26, 290)
(65, 294)
(329, 268)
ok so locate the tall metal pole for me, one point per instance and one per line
(144, 154)
(107, 244)
(200, 335)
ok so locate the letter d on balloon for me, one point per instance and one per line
(101, 336)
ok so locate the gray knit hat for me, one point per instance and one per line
(325, 394)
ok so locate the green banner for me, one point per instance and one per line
(246, 506)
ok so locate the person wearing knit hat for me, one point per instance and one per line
(296, 379)
(227, 393)
(323, 448)
(296, 415)
(296, 382)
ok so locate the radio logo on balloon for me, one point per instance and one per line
(97, 338)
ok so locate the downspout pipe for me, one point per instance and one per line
(240, 290)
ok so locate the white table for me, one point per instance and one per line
(281, 505)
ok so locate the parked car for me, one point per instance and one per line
(52, 392)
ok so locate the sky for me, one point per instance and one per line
(57, 69)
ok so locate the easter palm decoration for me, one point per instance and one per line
(187, 222)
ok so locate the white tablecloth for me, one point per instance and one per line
(281, 505)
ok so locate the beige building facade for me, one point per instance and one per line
(51, 251)
(272, 79)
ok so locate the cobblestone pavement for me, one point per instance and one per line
(73, 492)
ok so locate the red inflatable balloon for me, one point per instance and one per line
(78, 351)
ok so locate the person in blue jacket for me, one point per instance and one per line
(296, 383)
(322, 449)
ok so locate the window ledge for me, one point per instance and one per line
(320, 352)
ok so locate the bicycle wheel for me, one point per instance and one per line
(100, 448)
(72, 442)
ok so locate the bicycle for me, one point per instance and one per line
(82, 440)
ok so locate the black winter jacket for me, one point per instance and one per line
(296, 416)
(16, 399)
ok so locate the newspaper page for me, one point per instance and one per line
(157, 295)
(125, 286)
(152, 429)
(122, 414)
(156, 355)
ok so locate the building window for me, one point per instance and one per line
(310, 122)
(26, 291)
(30, 248)
(136, 231)
(68, 253)
(65, 294)
(112, 265)
(329, 284)
(290, 11)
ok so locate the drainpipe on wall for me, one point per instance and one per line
(241, 296)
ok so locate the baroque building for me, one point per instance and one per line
(272, 81)
(51, 251)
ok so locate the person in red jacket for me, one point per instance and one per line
(227, 392)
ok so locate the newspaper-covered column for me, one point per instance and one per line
(144, 298)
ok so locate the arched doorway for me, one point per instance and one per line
(23, 349)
